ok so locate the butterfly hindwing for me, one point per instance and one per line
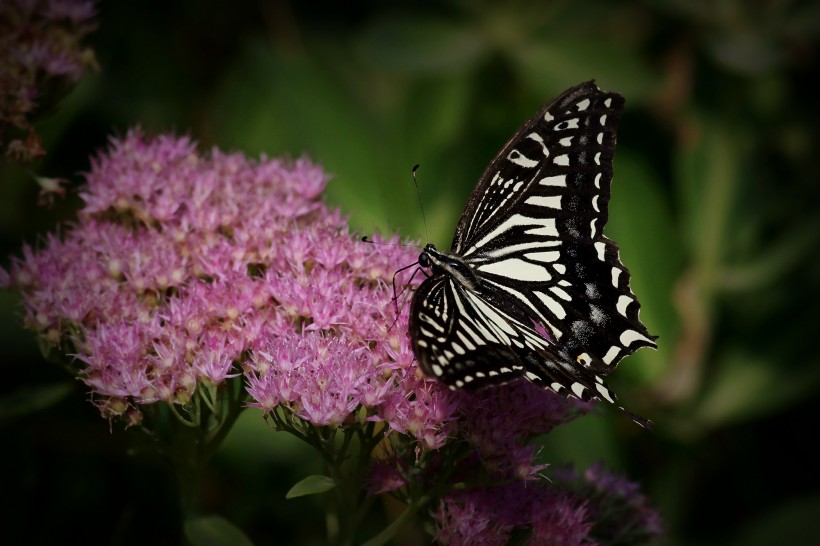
(469, 342)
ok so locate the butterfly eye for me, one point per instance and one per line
(424, 260)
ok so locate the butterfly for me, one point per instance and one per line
(531, 287)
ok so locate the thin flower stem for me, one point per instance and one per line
(389, 532)
(180, 417)
(209, 397)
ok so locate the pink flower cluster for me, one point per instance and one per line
(490, 516)
(184, 269)
(622, 513)
(40, 40)
(500, 422)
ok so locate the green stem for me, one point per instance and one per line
(396, 525)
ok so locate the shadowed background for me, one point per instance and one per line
(715, 207)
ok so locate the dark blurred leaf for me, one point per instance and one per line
(746, 386)
(794, 522)
(553, 65)
(283, 106)
(312, 485)
(746, 51)
(708, 177)
(214, 531)
(583, 442)
(253, 443)
(27, 400)
(421, 44)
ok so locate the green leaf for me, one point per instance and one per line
(214, 531)
(312, 485)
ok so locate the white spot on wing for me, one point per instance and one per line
(623, 303)
(515, 268)
(616, 273)
(536, 137)
(562, 160)
(467, 343)
(561, 293)
(603, 119)
(558, 180)
(583, 105)
(611, 354)
(551, 201)
(631, 336)
(552, 305)
(600, 248)
(568, 124)
(520, 159)
(566, 141)
(578, 389)
(604, 392)
(547, 228)
(498, 252)
(549, 256)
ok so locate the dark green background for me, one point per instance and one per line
(715, 206)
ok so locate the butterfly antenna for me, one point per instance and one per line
(421, 203)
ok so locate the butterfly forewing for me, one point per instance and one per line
(548, 297)
(561, 160)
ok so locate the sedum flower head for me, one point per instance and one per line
(490, 516)
(40, 45)
(184, 270)
(621, 512)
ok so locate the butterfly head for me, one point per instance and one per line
(426, 257)
(449, 264)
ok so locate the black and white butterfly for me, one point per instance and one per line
(532, 288)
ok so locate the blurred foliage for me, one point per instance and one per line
(715, 207)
